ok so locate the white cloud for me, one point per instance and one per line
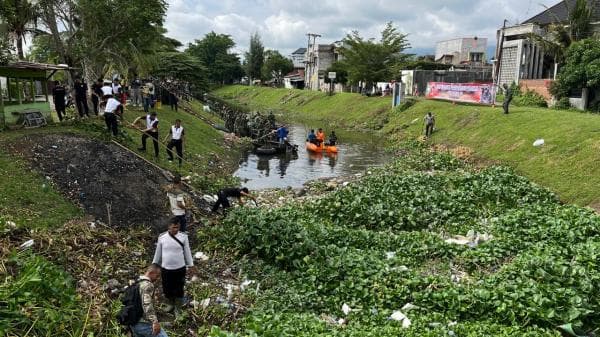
(283, 24)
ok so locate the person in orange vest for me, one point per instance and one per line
(320, 136)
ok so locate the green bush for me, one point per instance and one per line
(406, 103)
(530, 98)
(563, 104)
(39, 298)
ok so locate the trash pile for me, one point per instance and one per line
(110, 183)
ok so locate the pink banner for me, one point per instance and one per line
(480, 93)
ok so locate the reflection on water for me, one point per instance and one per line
(295, 169)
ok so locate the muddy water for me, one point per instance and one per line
(357, 153)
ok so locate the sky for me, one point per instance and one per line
(283, 24)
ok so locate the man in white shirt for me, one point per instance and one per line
(106, 89)
(177, 135)
(177, 202)
(151, 130)
(112, 105)
(174, 256)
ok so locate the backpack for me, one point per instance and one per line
(132, 310)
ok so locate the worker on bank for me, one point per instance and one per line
(177, 134)
(176, 197)
(332, 139)
(97, 95)
(174, 256)
(234, 192)
(320, 137)
(429, 121)
(148, 326)
(508, 96)
(282, 133)
(312, 137)
(58, 94)
(151, 130)
(106, 89)
(81, 89)
(110, 111)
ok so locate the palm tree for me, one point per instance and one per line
(20, 17)
(562, 34)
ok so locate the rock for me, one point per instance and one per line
(331, 185)
(300, 193)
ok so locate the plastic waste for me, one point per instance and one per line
(346, 309)
(538, 142)
(390, 255)
(205, 303)
(26, 244)
(410, 306)
(201, 256)
(400, 317)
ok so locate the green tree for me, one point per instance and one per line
(341, 74)
(276, 66)
(214, 51)
(369, 60)
(20, 17)
(179, 66)
(255, 58)
(562, 34)
(581, 68)
(119, 35)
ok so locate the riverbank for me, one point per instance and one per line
(81, 214)
(567, 163)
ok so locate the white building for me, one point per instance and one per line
(319, 58)
(462, 51)
(299, 58)
(521, 58)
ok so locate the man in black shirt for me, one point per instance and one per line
(97, 94)
(81, 98)
(231, 193)
(58, 93)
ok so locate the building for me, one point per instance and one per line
(319, 58)
(25, 91)
(299, 58)
(521, 58)
(462, 51)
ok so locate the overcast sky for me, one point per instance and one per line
(283, 24)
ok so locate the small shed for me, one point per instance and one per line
(24, 86)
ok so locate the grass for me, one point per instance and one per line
(342, 110)
(28, 199)
(567, 163)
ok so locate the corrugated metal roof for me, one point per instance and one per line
(36, 66)
(560, 12)
(300, 51)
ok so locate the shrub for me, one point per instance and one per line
(407, 103)
(563, 104)
(529, 98)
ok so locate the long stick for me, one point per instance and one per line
(151, 163)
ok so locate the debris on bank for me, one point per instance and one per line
(110, 183)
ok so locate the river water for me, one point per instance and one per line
(356, 153)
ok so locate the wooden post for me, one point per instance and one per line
(32, 91)
(8, 98)
(2, 119)
(19, 98)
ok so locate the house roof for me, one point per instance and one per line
(36, 66)
(560, 12)
(300, 51)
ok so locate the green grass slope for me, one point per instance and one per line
(343, 110)
(567, 163)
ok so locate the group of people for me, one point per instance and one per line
(172, 260)
(319, 137)
(142, 93)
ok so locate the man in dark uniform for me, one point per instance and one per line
(508, 96)
(231, 193)
(97, 94)
(58, 93)
(81, 98)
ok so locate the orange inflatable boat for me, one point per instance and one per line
(323, 148)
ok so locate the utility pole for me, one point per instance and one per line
(310, 54)
(499, 50)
